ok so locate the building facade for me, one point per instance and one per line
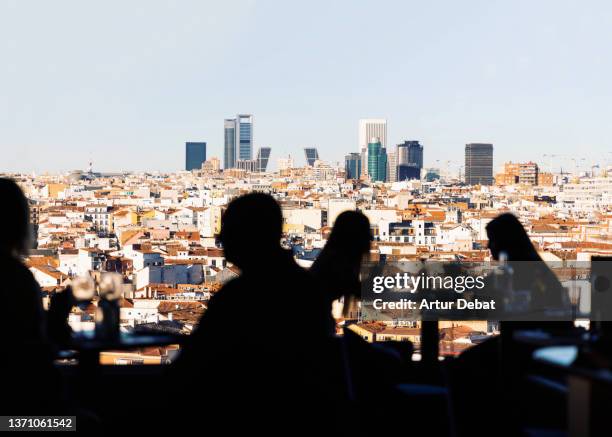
(377, 160)
(284, 163)
(410, 152)
(312, 155)
(229, 149)
(525, 173)
(263, 156)
(244, 136)
(407, 172)
(479, 164)
(195, 155)
(352, 165)
(238, 136)
(391, 166)
(368, 129)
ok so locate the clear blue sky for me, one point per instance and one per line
(126, 83)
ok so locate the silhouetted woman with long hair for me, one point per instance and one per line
(493, 368)
(338, 265)
(507, 236)
(337, 272)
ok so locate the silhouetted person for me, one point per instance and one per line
(507, 235)
(494, 369)
(30, 384)
(338, 265)
(375, 369)
(259, 356)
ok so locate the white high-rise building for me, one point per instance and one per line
(368, 129)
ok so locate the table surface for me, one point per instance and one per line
(544, 338)
(561, 356)
(567, 358)
(86, 341)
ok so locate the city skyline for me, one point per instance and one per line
(130, 98)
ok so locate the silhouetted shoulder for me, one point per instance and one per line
(21, 296)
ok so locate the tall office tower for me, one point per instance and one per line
(238, 139)
(312, 154)
(263, 156)
(368, 129)
(352, 165)
(479, 164)
(195, 155)
(244, 136)
(229, 155)
(377, 160)
(391, 166)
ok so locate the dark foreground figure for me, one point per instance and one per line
(495, 369)
(30, 383)
(263, 357)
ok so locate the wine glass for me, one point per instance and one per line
(111, 286)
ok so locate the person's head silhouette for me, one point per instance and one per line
(351, 235)
(14, 223)
(339, 264)
(506, 234)
(251, 230)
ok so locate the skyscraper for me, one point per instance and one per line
(368, 129)
(244, 136)
(263, 155)
(409, 160)
(479, 164)
(238, 133)
(377, 160)
(352, 165)
(312, 154)
(229, 155)
(195, 155)
(410, 152)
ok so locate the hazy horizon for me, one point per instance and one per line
(125, 85)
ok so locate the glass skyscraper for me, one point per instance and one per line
(410, 152)
(479, 164)
(229, 150)
(352, 165)
(312, 154)
(409, 160)
(238, 135)
(377, 160)
(263, 156)
(195, 155)
(244, 136)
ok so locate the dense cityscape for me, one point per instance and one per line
(160, 230)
